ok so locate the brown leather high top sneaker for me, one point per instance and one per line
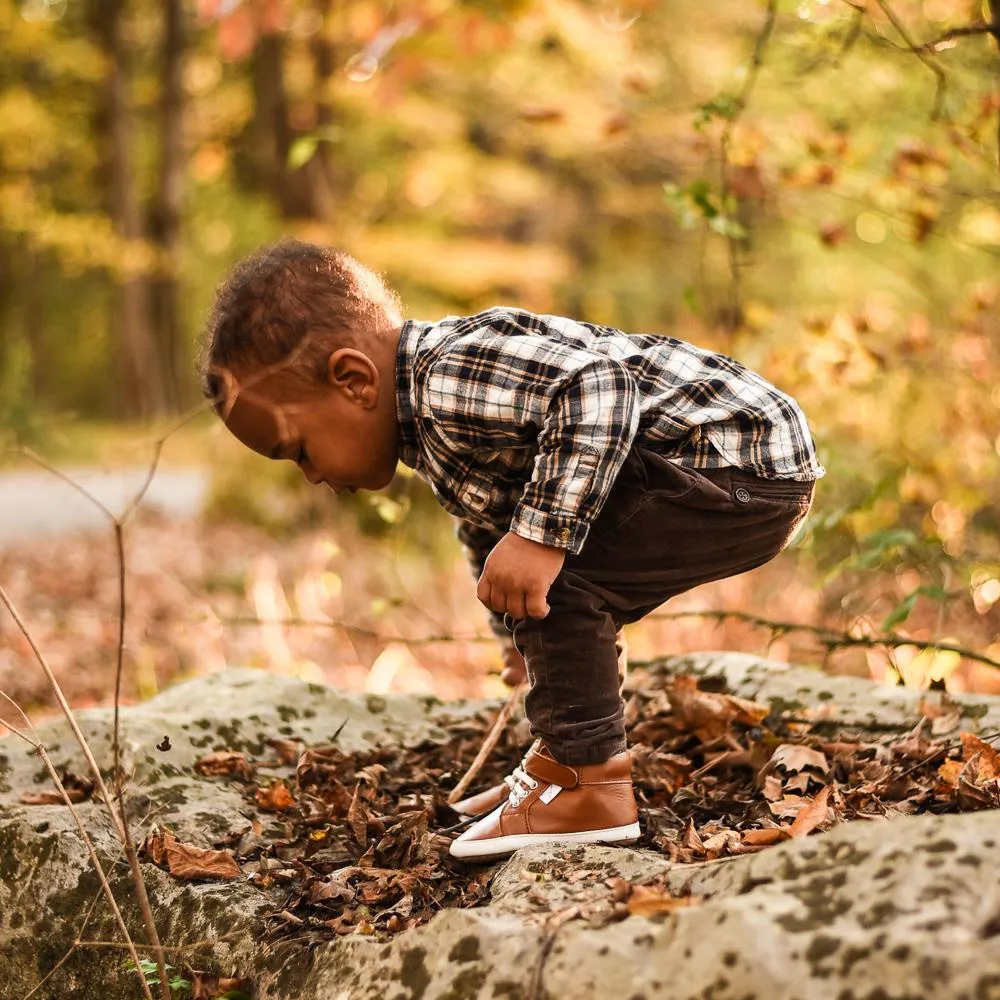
(549, 802)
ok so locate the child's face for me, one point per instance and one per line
(345, 437)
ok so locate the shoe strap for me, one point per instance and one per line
(551, 771)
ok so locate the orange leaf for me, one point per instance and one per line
(950, 770)
(810, 817)
(987, 760)
(763, 838)
(647, 900)
(275, 798)
(542, 115)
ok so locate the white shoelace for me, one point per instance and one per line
(520, 784)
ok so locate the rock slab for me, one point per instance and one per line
(897, 910)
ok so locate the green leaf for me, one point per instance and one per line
(902, 611)
(728, 227)
(302, 151)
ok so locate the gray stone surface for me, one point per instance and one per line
(908, 908)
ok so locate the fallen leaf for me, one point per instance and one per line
(78, 789)
(224, 763)
(810, 816)
(983, 755)
(187, 861)
(647, 901)
(542, 115)
(772, 788)
(950, 771)
(710, 715)
(274, 798)
(794, 757)
(763, 838)
(789, 806)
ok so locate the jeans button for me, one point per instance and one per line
(742, 495)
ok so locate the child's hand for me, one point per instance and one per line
(517, 576)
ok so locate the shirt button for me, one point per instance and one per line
(742, 495)
(564, 534)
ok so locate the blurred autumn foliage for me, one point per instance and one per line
(812, 187)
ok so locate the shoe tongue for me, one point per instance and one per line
(541, 764)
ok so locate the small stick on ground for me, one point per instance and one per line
(500, 723)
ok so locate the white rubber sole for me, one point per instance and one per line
(498, 847)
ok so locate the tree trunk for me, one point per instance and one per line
(319, 171)
(142, 391)
(166, 213)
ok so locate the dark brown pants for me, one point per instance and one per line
(664, 529)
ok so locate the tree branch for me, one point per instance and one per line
(918, 51)
(742, 99)
(831, 638)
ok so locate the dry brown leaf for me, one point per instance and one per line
(224, 763)
(288, 751)
(187, 861)
(800, 782)
(710, 715)
(763, 838)
(985, 758)
(811, 816)
(950, 770)
(357, 817)
(647, 901)
(542, 115)
(794, 757)
(772, 788)
(788, 807)
(274, 798)
(78, 789)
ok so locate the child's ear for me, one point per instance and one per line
(353, 373)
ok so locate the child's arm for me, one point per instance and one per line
(581, 411)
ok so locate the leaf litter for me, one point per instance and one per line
(359, 841)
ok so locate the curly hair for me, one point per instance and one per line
(289, 305)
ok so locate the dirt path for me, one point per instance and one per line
(38, 504)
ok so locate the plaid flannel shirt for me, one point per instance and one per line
(521, 422)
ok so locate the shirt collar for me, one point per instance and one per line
(406, 356)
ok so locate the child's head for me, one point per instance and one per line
(299, 357)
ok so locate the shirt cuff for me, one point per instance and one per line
(561, 531)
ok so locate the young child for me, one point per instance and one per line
(594, 474)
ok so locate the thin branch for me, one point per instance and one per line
(91, 850)
(978, 28)
(72, 949)
(742, 99)
(499, 724)
(359, 630)
(918, 51)
(120, 820)
(831, 638)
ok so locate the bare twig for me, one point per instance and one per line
(499, 724)
(920, 52)
(69, 954)
(831, 638)
(91, 850)
(742, 99)
(118, 818)
(978, 28)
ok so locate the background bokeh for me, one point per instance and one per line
(811, 187)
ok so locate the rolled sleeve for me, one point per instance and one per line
(587, 435)
(561, 531)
